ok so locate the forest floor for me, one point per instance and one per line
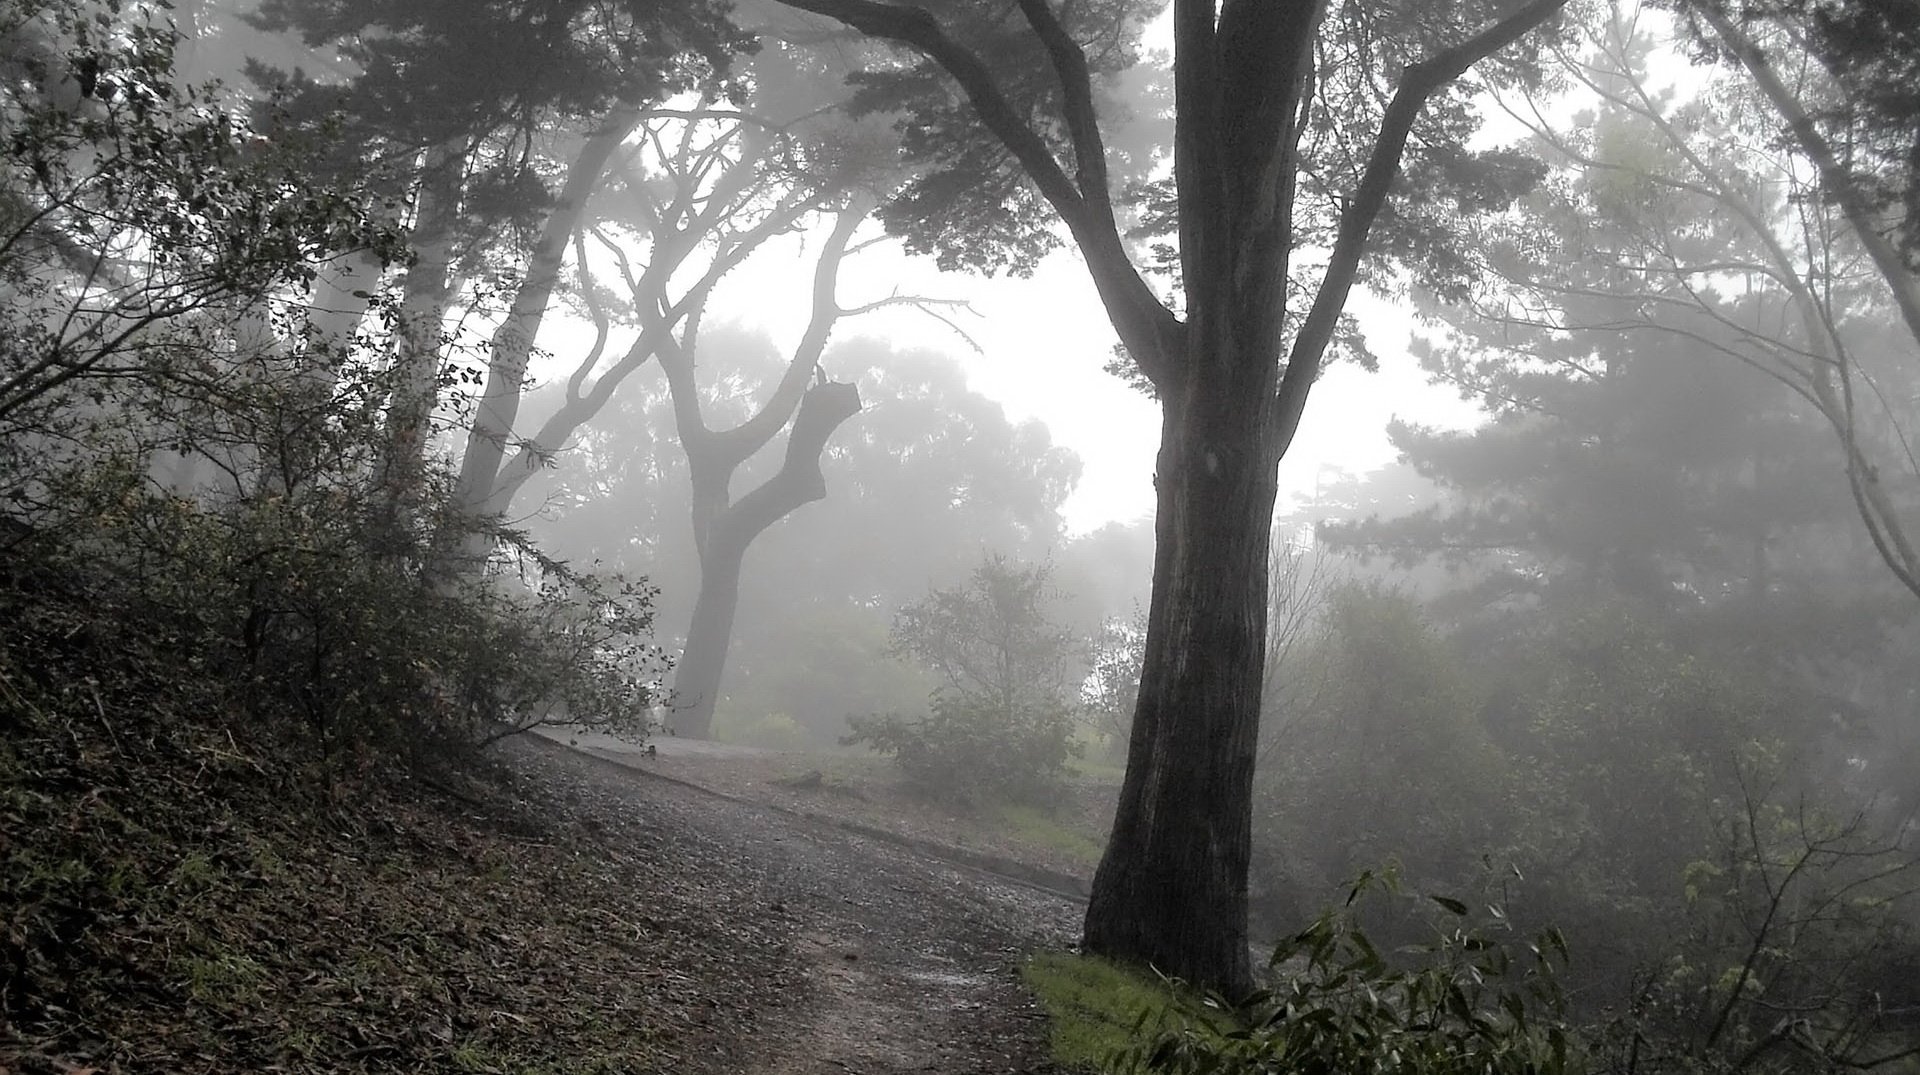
(175, 900)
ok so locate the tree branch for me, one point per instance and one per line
(800, 480)
(1417, 84)
(1150, 332)
(1076, 86)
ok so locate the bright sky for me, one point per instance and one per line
(1043, 344)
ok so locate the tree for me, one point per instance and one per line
(1689, 217)
(452, 105)
(1251, 82)
(929, 475)
(722, 526)
(788, 172)
(1000, 722)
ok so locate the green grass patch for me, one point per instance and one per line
(1096, 1008)
(1035, 827)
(1099, 772)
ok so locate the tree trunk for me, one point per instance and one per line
(696, 683)
(1171, 889)
(425, 297)
(724, 535)
(511, 348)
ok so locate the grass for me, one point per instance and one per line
(1099, 772)
(1037, 828)
(1096, 1008)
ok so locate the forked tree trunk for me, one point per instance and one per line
(1172, 888)
(726, 531)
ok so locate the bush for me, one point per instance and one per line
(1467, 1003)
(1386, 761)
(999, 724)
(301, 600)
(964, 748)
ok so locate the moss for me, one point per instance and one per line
(1096, 1008)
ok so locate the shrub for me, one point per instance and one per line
(964, 748)
(1467, 1003)
(999, 723)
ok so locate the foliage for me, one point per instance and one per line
(1470, 1000)
(131, 206)
(1655, 302)
(306, 597)
(1387, 760)
(1869, 54)
(492, 78)
(178, 441)
(999, 723)
(964, 748)
(970, 204)
(1799, 948)
(1118, 651)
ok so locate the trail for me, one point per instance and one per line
(913, 963)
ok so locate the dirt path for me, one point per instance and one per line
(912, 962)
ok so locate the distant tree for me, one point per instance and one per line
(1689, 217)
(1276, 105)
(1113, 680)
(1000, 723)
(930, 474)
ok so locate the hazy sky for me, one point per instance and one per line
(1043, 342)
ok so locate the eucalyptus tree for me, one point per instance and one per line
(1293, 119)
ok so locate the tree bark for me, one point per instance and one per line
(425, 297)
(1171, 889)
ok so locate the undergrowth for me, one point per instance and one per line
(184, 888)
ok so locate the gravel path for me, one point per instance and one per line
(912, 964)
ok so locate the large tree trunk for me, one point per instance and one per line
(1171, 889)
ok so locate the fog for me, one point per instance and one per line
(1591, 597)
